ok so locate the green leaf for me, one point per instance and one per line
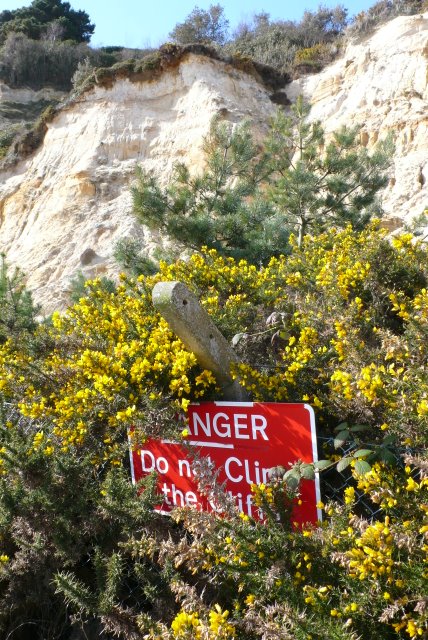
(292, 478)
(387, 456)
(356, 428)
(342, 464)
(362, 467)
(294, 471)
(341, 427)
(307, 471)
(341, 439)
(293, 482)
(322, 464)
(362, 452)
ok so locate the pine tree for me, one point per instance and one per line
(17, 309)
(248, 199)
(222, 207)
(317, 183)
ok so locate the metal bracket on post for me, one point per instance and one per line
(192, 324)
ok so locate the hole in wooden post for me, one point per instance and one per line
(184, 302)
(211, 336)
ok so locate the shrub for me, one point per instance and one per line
(40, 63)
(341, 324)
(209, 26)
(7, 136)
(314, 58)
(366, 21)
(276, 42)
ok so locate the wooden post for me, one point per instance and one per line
(192, 324)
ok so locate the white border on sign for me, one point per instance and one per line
(315, 456)
(224, 403)
(131, 458)
(229, 403)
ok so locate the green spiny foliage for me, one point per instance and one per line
(81, 547)
(222, 207)
(318, 182)
(62, 524)
(78, 288)
(17, 310)
(130, 257)
(248, 200)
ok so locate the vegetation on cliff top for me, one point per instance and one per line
(52, 19)
(46, 45)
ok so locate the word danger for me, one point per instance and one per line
(240, 426)
(240, 442)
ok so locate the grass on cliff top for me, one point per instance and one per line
(169, 56)
(24, 142)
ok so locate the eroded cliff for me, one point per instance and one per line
(381, 84)
(63, 207)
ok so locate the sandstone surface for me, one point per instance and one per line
(381, 84)
(63, 208)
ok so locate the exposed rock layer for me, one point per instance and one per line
(63, 208)
(382, 85)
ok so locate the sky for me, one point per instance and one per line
(144, 23)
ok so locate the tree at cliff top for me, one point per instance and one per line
(247, 201)
(208, 26)
(53, 19)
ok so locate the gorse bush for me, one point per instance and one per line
(314, 58)
(60, 514)
(339, 323)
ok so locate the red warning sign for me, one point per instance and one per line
(243, 441)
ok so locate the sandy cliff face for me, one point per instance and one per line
(63, 209)
(382, 85)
